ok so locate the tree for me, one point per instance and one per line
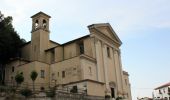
(33, 76)
(10, 43)
(19, 78)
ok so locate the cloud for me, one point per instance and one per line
(124, 16)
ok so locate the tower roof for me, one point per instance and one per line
(41, 13)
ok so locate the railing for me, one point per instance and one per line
(60, 94)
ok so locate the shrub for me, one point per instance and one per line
(107, 96)
(26, 92)
(119, 98)
(42, 88)
(74, 89)
(19, 78)
(51, 92)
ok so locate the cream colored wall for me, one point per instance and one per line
(27, 69)
(99, 59)
(95, 89)
(70, 50)
(110, 68)
(59, 53)
(86, 65)
(39, 43)
(26, 51)
(127, 88)
(88, 50)
(118, 71)
(71, 68)
(8, 69)
(52, 44)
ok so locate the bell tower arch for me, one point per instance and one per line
(39, 36)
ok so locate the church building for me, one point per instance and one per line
(91, 63)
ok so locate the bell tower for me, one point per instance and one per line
(39, 36)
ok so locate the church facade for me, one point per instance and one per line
(91, 63)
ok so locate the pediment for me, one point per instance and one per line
(107, 31)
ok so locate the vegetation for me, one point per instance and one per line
(19, 78)
(119, 98)
(26, 92)
(107, 96)
(33, 76)
(51, 92)
(74, 89)
(10, 43)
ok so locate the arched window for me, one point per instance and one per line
(36, 24)
(44, 23)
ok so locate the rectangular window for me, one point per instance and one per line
(58, 74)
(113, 92)
(13, 69)
(53, 76)
(42, 73)
(63, 74)
(90, 71)
(108, 51)
(52, 56)
(81, 47)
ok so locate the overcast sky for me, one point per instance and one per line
(142, 25)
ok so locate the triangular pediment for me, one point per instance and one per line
(107, 31)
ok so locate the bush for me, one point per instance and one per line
(2, 89)
(74, 89)
(26, 92)
(50, 93)
(42, 88)
(19, 78)
(107, 96)
(119, 98)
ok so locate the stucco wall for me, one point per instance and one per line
(26, 51)
(26, 69)
(71, 68)
(95, 89)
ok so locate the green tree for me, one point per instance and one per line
(33, 76)
(10, 43)
(19, 78)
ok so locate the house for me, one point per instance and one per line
(91, 63)
(162, 92)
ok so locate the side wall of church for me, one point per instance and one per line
(26, 51)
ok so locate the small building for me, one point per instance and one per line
(162, 92)
(91, 63)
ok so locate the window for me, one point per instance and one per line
(44, 23)
(53, 76)
(36, 24)
(58, 74)
(63, 74)
(113, 92)
(90, 71)
(42, 73)
(52, 56)
(13, 68)
(81, 47)
(108, 52)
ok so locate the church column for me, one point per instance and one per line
(117, 69)
(105, 68)
(120, 64)
(116, 72)
(97, 46)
